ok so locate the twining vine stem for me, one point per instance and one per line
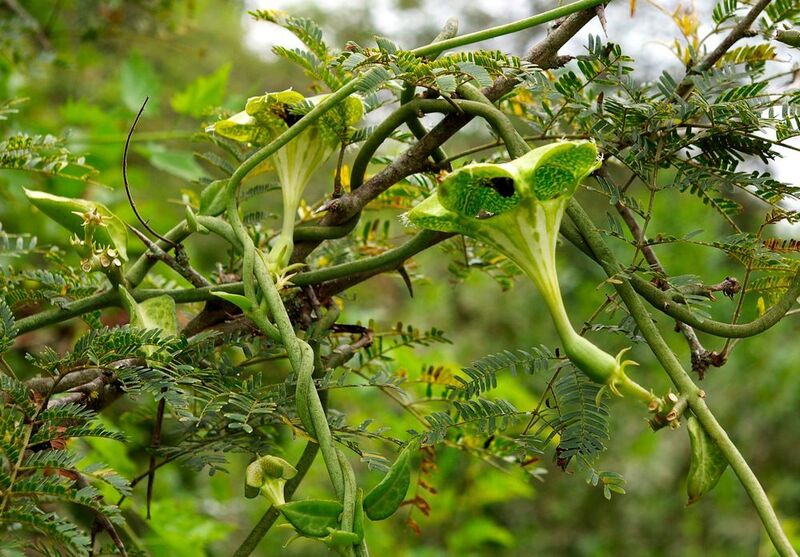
(681, 379)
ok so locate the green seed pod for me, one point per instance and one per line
(707, 464)
(312, 517)
(213, 199)
(385, 498)
(358, 517)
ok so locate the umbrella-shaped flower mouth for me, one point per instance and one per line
(268, 475)
(266, 117)
(516, 208)
(478, 192)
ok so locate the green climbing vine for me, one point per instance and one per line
(206, 345)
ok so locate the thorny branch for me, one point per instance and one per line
(179, 262)
(701, 357)
(741, 30)
(544, 54)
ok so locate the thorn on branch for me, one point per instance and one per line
(338, 191)
(406, 279)
(600, 10)
(701, 361)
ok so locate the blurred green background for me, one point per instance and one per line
(86, 70)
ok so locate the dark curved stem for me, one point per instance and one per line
(125, 176)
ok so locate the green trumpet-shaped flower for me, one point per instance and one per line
(268, 476)
(268, 116)
(516, 208)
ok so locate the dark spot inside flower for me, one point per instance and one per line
(284, 112)
(502, 185)
(291, 118)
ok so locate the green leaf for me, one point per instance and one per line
(203, 93)
(476, 72)
(8, 327)
(385, 498)
(707, 464)
(137, 81)
(178, 163)
(313, 517)
(153, 313)
(63, 209)
(212, 198)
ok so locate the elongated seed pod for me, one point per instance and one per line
(789, 36)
